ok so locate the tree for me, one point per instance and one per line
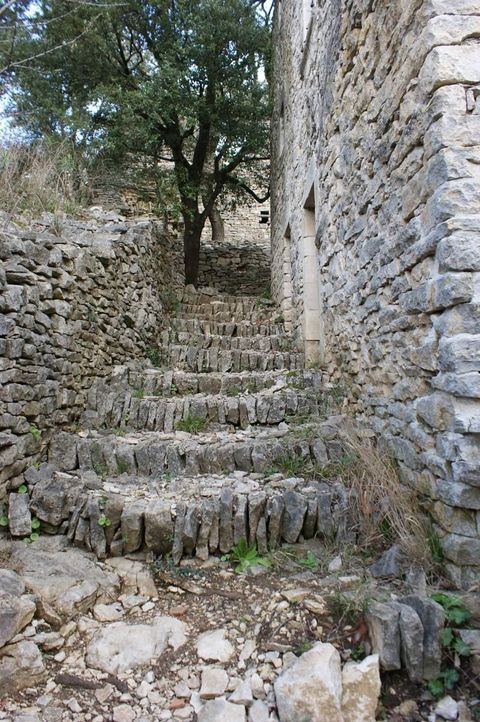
(181, 82)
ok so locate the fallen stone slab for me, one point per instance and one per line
(120, 647)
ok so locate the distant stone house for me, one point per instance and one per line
(376, 230)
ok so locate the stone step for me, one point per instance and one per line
(156, 382)
(156, 453)
(227, 343)
(240, 329)
(202, 296)
(130, 409)
(200, 516)
(241, 307)
(214, 359)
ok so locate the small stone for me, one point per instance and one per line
(258, 712)
(107, 612)
(335, 565)
(219, 710)
(104, 693)
(294, 595)
(390, 564)
(213, 646)
(258, 689)
(447, 708)
(73, 705)
(123, 713)
(214, 683)
(242, 694)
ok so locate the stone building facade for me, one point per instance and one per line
(376, 230)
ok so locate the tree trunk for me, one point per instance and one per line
(218, 228)
(191, 246)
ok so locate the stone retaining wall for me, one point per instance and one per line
(241, 269)
(376, 222)
(77, 297)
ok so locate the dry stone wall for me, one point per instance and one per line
(77, 298)
(376, 146)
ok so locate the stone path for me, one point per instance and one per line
(130, 607)
(190, 456)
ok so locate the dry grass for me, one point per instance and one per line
(386, 509)
(41, 177)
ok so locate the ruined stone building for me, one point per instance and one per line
(376, 223)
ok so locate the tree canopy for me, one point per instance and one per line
(180, 82)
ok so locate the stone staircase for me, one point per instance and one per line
(200, 451)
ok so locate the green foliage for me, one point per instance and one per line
(4, 520)
(169, 301)
(154, 355)
(138, 393)
(23, 489)
(100, 469)
(104, 521)
(35, 523)
(435, 546)
(179, 82)
(456, 615)
(122, 466)
(245, 555)
(455, 609)
(309, 560)
(35, 432)
(192, 424)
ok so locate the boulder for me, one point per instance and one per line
(311, 687)
(21, 665)
(53, 500)
(120, 646)
(361, 689)
(64, 578)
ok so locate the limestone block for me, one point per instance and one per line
(383, 625)
(460, 354)
(21, 665)
(450, 64)
(19, 517)
(461, 550)
(311, 687)
(459, 252)
(361, 689)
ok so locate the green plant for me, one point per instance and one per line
(346, 608)
(245, 555)
(169, 301)
(4, 520)
(455, 610)
(122, 466)
(154, 355)
(35, 432)
(309, 560)
(23, 489)
(138, 393)
(104, 521)
(35, 523)
(192, 424)
(435, 546)
(456, 615)
(100, 469)
(267, 294)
